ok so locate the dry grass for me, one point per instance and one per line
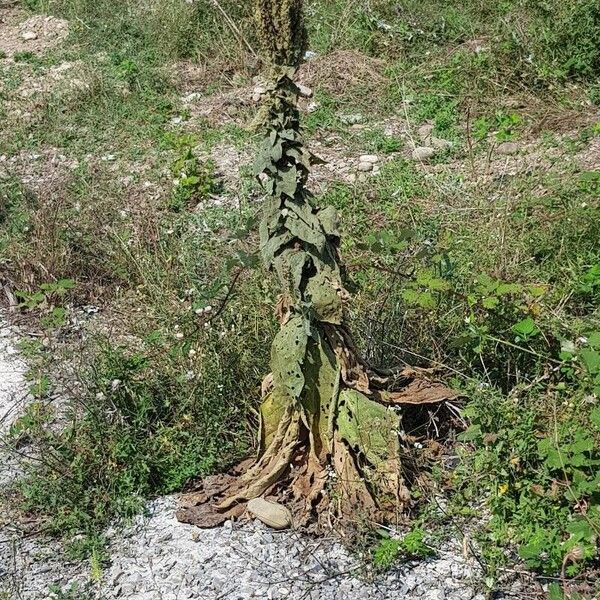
(344, 70)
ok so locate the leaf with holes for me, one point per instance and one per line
(287, 357)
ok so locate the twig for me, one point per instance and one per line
(234, 28)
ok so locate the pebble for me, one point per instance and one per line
(365, 167)
(272, 514)
(353, 119)
(305, 91)
(425, 131)
(440, 144)
(423, 153)
(29, 36)
(193, 97)
(508, 148)
(369, 158)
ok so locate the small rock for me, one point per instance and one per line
(365, 167)
(258, 92)
(425, 131)
(440, 144)
(228, 526)
(165, 537)
(29, 35)
(305, 91)
(369, 158)
(477, 46)
(423, 153)
(352, 119)
(312, 107)
(434, 595)
(508, 148)
(191, 97)
(272, 514)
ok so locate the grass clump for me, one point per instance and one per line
(146, 425)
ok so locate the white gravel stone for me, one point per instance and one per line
(423, 153)
(440, 144)
(365, 167)
(29, 36)
(425, 131)
(305, 91)
(369, 158)
(353, 119)
(508, 148)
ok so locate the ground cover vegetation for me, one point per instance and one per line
(483, 265)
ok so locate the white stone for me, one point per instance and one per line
(29, 35)
(440, 144)
(353, 119)
(365, 167)
(273, 514)
(425, 131)
(305, 91)
(369, 158)
(423, 153)
(508, 148)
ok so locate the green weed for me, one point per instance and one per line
(410, 546)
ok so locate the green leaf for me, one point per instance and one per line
(287, 357)
(330, 222)
(306, 229)
(490, 302)
(593, 339)
(486, 284)
(555, 592)
(438, 285)
(288, 182)
(417, 298)
(368, 426)
(508, 288)
(525, 328)
(65, 284)
(322, 292)
(473, 432)
(591, 360)
(273, 246)
(582, 444)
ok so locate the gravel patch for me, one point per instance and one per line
(37, 34)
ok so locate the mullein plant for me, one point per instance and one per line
(329, 423)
